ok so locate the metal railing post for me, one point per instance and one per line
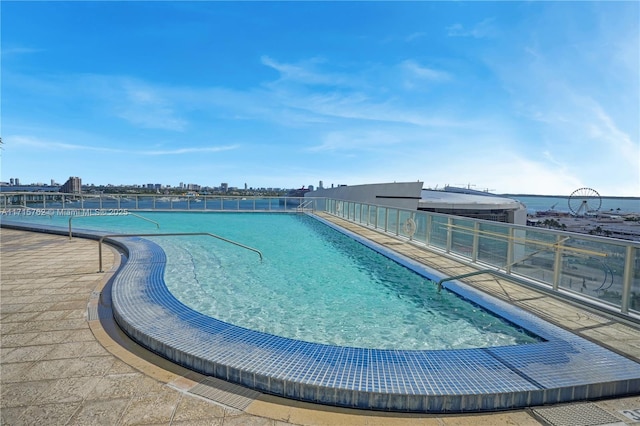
(386, 219)
(510, 250)
(627, 279)
(476, 242)
(557, 262)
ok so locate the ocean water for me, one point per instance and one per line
(617, 205)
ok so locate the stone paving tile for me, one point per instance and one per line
(72, 389)
(22, 393)
(99, 412)
(50, 414)
(153, 408)
(25, 353)
(192, 408)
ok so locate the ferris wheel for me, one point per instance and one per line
(584, 201)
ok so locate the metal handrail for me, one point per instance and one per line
(128, 213)
(304, 205)
(177, 234)
(470, 274)
(496, 272)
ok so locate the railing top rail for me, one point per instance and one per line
(504, 225)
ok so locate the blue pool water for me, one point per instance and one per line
(314, 284)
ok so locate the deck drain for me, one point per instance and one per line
(225, 393)
(576, 415)
(92, 308)
(92, 313)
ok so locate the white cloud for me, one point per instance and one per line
(483, 29)
(35, 142)
(178, 151)
(145, 106)
(19, 50)
(424, 73)
(603, 128)
(305, 73)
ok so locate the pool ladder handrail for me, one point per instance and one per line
(304, 205)
(98, 215)
(173, 234)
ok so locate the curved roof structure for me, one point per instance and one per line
(459, 201)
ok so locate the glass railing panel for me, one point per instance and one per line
(109, 202)
(195, 203)
(90, 202)
(264, 204)
(462, 237)
(438, 231)
(228, 204)
(212, 203)
(407, 225)
(420, 219)
(127, 202)
(52, 201)
(373, 215)
(634, 293)
(593, 268)
(357, 212)
(341, 208)
(493, 244)
(154, 202)
(393, 222)
(382, 221)
(247, 204)
(35, 201)
(534, 255)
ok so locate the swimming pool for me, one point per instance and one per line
(561, 367)
(315, 284)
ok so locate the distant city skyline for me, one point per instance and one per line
(16, 181)
(513, 97)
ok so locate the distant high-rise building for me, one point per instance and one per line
(17, 181)
(320, 185)
(12, 181)
(245, 186)
(224, 186)
(53, 182)
(73, 185)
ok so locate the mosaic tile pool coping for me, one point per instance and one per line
(562, 368)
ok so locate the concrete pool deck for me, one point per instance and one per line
(61, 366)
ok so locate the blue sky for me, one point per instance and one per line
(515, 97)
